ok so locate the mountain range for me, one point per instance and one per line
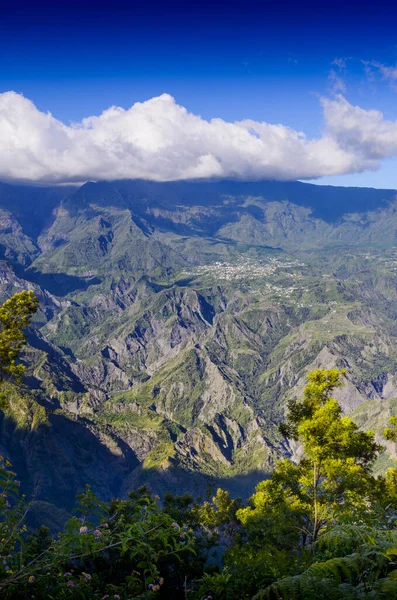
(177, 319)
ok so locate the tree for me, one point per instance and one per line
(333, 519)
(218, 516)
(15, 316)
(333, 481)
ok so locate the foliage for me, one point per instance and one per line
(354, 561)
(219, 516)
(331, 483)
(323, 527)
(121, 548)
(15, 316)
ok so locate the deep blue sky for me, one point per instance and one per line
(236, 60)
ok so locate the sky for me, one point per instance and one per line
(163, 91)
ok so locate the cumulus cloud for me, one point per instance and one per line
(363, 133)
(160, 140)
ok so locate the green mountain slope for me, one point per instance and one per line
(176, 320)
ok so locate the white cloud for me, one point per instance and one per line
(387, 72)
(337, 75)
(160, 140)
(363, 133)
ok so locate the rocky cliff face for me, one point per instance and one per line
(176, 320)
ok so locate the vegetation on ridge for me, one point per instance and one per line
(323, 526)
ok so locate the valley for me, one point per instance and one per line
(177, 320)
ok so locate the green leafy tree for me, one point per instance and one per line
(219, 516)
(333, 519)
(15, 316)
(332, 483)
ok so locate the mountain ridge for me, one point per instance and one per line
(176, 320)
